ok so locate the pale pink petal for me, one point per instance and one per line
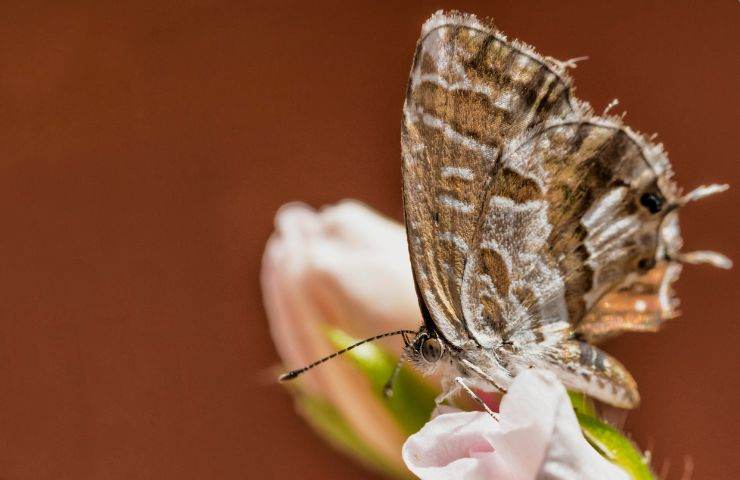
(360, 270)
(343, 266)
(451, 446)
(569, 455)
(538, 437)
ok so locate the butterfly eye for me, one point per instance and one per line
(652, 201)
(431, 350)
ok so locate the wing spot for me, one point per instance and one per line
(454, 239)
(652, 201)
(587, 354)
(640, 306)
(646, 264)
(455, 204)
(463, 173)
(495, 266)
(512, 185)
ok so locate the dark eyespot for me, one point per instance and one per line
(652, 201)
(646, 263)
(436, 217)
(431, 350)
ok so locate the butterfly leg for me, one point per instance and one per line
(388, 388)
(483, 375)
(449, 389)
(478, 400)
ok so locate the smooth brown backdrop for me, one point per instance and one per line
(145, 146)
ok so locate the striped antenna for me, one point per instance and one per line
(293, 374)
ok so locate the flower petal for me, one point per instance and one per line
(342, 266)
(538, 437)
(453, 445)
(360, 270)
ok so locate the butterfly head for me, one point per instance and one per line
(426, 350)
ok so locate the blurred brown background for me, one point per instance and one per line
(145, 146)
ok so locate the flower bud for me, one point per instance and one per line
(342, 269)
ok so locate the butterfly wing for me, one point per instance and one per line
(589, 220)
(585, 368)
(592, 219)
(640, 306)
(470, 93)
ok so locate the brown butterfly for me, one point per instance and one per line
(535, 227)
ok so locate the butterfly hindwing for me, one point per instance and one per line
(585, 368)
(564, 223)
(640, 306)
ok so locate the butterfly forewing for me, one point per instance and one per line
(470, 93)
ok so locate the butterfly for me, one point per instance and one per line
(535, 227)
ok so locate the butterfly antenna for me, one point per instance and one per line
(294, 373)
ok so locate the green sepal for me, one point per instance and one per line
(582, 403)
(412, 401)
(609, 441)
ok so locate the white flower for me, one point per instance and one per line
(344, 266)
(538, 437)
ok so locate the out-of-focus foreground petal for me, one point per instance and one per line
(348, 263)
(538, 436)
(344, 267)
